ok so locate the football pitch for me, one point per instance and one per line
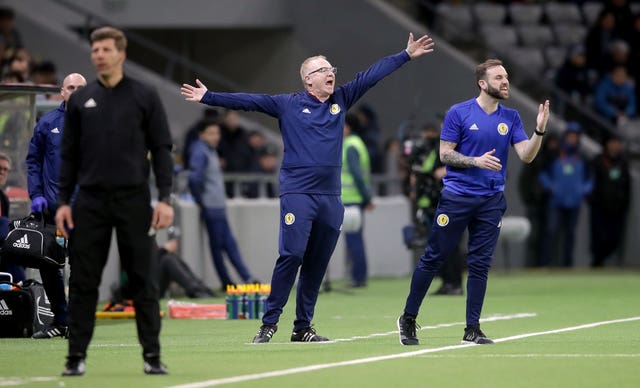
(552, 329)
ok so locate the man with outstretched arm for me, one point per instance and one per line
(311, 212)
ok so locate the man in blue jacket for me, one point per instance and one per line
(43, 164)
(311, 212)
(568, 181)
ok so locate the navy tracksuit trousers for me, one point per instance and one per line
(309, 230)
(455, 213)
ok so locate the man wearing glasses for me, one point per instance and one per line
(311, 212)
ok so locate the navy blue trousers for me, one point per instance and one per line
(309, 230)
(221, 239)
(455, 213)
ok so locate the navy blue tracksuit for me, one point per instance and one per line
(310, 205)
(472, 198)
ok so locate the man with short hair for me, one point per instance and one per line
(111, 126)
(43, 165)
(474, 144)
(311, 212)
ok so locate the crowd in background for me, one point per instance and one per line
(602, 72)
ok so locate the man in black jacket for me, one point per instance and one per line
(110, 127)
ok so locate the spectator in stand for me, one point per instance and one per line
(634, 55)
(12, 77)
(10, 38)
(44, 73)
(535, 197)
(268, 164)
(615, 96)
(609, 201)
(598, 40)
(618, 54)
(209, 114)
(623, 15)
(264, 160)
(568, 182)
(20, 63)
(575, 78)
(369, 132)
(234, 150)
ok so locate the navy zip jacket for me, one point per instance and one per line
(312, 131)
(43, 157)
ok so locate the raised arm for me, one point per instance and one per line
(528, 149)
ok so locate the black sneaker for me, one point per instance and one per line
(264, 334)
(473, 335)
(307, 335)
(153, 366)
(51, 331)
(74, 366)
(407, 330)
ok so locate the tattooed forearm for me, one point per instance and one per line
(456, 159)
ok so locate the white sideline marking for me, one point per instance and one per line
(13, 381)
(491, 318)
(534, 355)
(310, 368)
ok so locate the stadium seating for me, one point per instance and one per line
(525, 13)
(590, 11)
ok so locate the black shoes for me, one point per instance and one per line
(74, 366)
(264, 334)
(153, 366)
(473, 335)
(307, 335)
(51, 331)
(449, 289)
(407, 330)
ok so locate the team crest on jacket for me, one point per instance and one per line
(503, 129)
(443, 220)
(289, 218)
(335, 109)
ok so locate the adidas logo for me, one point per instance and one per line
(22, 243)
(4, 309)
(55, 130)
(43, 309)
(90, 103)
(473, 127)
(306, 110)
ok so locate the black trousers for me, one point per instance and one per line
(95, 215)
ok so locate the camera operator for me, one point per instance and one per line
(425, 182)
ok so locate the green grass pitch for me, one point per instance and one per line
(554, 329)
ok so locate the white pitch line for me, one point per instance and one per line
(493, 318)
(310, 368)
(534, 355)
